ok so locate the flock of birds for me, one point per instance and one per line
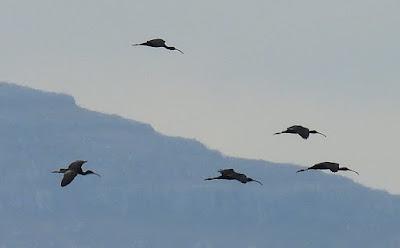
(75, 168)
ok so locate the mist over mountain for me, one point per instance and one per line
(152, 192)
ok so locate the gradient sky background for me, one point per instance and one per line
(250, 68)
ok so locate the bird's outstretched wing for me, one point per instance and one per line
(241, 177)
(226, 172)
(76, 165)
(294, 128)
(304, 133)
(157, 41)
(68, 177)
(300, 130)
(326, 166)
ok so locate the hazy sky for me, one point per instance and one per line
(250, 68)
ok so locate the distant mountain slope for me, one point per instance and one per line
(152, 193)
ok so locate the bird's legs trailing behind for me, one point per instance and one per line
(302, 170)
(213, 178)
(60, 171)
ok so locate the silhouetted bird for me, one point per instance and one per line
(300, 130)
(334, 167)
(230, 174)
(72, 171)
(157, 43)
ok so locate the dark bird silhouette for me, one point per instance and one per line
(157, 43)
(72, 171)
(334, 167)
(300, 130)
(230, 174)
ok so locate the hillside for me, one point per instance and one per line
(152, 192)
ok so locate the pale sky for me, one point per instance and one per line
(250, 68)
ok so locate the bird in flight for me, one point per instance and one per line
(157, 43)
(300, 130)
(72, 171)
(334, 167)
(230, 174)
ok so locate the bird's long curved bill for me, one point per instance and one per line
(278, 133)
(135, 44)
(321, 134)
(96, 174)
(179, 50)
(257, 182)
(354, 171)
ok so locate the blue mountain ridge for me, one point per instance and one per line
(152, 192)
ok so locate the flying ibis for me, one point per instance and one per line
(72, 171)
(157, 43)
(334, 167)
(230, 174)
(300, 130)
